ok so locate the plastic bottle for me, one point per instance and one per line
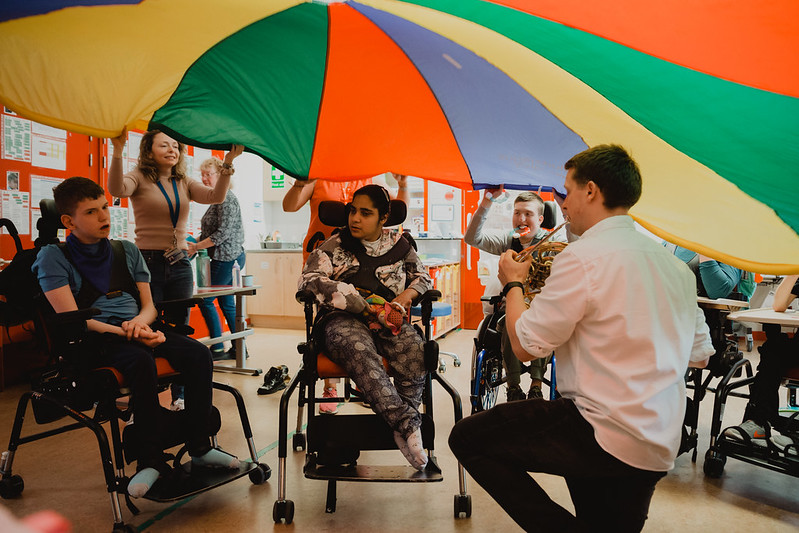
(203, 268)
(236, 274)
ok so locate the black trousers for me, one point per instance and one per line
(500, 446)
(778, 354)
(137, 364)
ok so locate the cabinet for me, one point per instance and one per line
(277, 273)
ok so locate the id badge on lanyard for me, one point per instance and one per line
(173, 254)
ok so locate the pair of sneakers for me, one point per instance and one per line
(515, 394)
(750, 432)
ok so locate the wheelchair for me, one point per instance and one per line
(91, 398)
(722, 446)
(726, 364)
(333, 443)
(488, 371)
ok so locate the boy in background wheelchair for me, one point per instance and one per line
(92, 271)
(528, 214)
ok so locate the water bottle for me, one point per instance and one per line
(236, 274)
(203, 268)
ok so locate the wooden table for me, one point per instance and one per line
(238, 337)
(767, 315)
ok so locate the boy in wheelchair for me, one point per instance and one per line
(111, 276)
(528, 216)
(358, 327)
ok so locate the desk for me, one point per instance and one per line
(767, 315)
(241, 331)
(723, 304)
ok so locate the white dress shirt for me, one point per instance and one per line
(620, 312)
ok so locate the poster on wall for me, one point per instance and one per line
(16, 138)
(16, 207)
(41, 188)
(119, 223)
(49, 147)
(12, 180)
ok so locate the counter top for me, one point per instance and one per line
(274, 250)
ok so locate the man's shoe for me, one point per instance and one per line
(222, 355)
(515, 394)
(535, 393)
(329, 408)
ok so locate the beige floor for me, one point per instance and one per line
(63, 473)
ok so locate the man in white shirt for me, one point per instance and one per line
(620, 313)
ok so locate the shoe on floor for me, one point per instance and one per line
(535, 393)
(222, 355)
(748, 432)
(274, 380)
(785, 445)
(515, 394)
(178, 405)
(329, 408)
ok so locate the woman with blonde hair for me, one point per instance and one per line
(223, 235)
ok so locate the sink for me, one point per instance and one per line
(271, 245)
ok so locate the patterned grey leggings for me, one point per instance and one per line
(350, 344)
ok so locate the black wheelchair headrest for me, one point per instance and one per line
(332, 213)
(550, 215)
(50, 215)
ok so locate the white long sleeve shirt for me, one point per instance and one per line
(620, 312)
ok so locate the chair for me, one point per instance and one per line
(728, 362)
(488, 372)
(90, 398)
(333, 443)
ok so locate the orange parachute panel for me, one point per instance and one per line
(375, 97)
(751, 43)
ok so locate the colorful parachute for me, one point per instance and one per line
(705, 94)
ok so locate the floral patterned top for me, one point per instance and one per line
(328, 267)
(222, 223)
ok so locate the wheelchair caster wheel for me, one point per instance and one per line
(259, 475)
(283, 510)
(463, 505)
(442, 368)
(11, 487)
(456, 362)
(749, 345)
(714, 464)
(124, 528)
(298, 442)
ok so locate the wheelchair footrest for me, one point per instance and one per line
(184, 481)
(381, 473)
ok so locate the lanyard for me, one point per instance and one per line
(173, 213)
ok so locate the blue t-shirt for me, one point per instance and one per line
(54, 271)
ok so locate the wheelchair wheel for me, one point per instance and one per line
(259, 475)
(11, 487)
(714, 464)
(283, 511)
(463, 505)
(487, 380)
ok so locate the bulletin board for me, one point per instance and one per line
(33, 159)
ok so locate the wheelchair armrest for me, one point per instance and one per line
(428, 297)
(493, 300)
(180, 302)
(305, 297)
(69, 317)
